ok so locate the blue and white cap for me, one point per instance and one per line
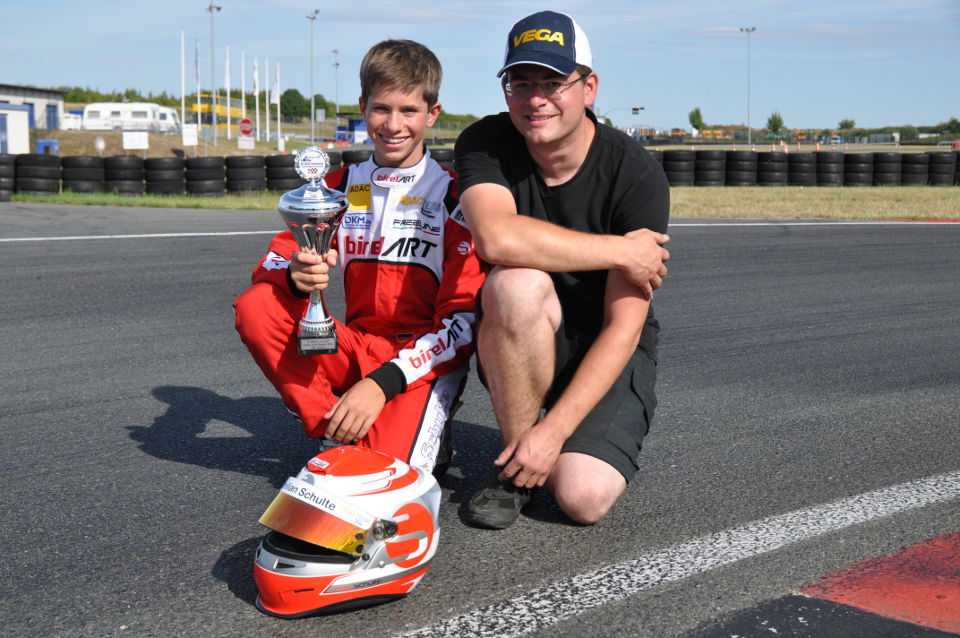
(547, 39)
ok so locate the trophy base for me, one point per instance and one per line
(317, 344)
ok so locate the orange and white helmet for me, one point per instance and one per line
(355, 527)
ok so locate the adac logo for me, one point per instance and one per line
(411, 200)
(544, 35)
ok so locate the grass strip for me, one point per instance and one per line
(759, 202)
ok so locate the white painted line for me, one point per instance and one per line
(551, 604)
(149, 236)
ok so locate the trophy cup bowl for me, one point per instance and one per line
(313, 213)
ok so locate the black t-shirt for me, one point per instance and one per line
(619, 188)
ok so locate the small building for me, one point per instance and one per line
(14, 129)
(44, 106)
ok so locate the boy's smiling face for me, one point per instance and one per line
(396, 122)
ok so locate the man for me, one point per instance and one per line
(410, 276)
(572, 213)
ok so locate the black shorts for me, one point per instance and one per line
(613, 431)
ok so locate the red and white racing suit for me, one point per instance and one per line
(410, 277)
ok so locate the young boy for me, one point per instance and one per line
(410, 277)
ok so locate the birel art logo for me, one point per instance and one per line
(359, 246)
(539, 34)
(424, 355)
(357, 221)
(392, 179)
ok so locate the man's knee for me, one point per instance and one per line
(517, 295)
(258, 310)
(585, 487)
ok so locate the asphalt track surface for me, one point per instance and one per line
(809, 394)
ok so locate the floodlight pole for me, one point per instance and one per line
(748, 31)
(312, 17)
(336, 89)
(213, 74)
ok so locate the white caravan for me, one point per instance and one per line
(130, 116)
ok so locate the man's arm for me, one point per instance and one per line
(530, 461)
(505, 238)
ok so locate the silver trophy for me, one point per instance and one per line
(313, 213)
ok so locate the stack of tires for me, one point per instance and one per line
(741, 168)
(281, 175)
(680, 167)
(164, 175)
(772, 168)
(914, 169)
(83, 174)
(710, 168)
(355, 155)
(205, 176)
(8, 172)
(443, 157)
(38, 174)
(246, 174)
(943, 166)
(887, 169)
(829, 168)
(123, 174)
(858, 169)
(657, 155)
(802, 169)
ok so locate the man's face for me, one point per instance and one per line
(396, 122)
(543, 116)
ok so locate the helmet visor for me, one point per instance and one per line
(309, 513)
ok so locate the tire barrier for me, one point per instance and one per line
(710, 168)
(829, 168)
(123, 174)
(680, 167)
(83, 174)
(355, 155)
(35, 173)
(914, 169)
(206, 176)
(772, 168)
(443, 156)
(858, 169)
(213, 176)
(8, 173)
(887, 169)
(741, 168)
(246, 174)
(802, 169)
(165, 175)
(281, 175)
(943, 168)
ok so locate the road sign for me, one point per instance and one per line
(246, 126)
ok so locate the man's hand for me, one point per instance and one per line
(530, 459)
(353, 414)
(647, 257)
(311, 272)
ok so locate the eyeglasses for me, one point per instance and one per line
(522, 89)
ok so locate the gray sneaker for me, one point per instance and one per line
(497, 505)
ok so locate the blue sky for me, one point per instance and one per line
(883, 62)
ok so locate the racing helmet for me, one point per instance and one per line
(355, 527)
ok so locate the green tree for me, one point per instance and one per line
(846, 124)
(294, 105)
(696, 119)
(775, 122)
